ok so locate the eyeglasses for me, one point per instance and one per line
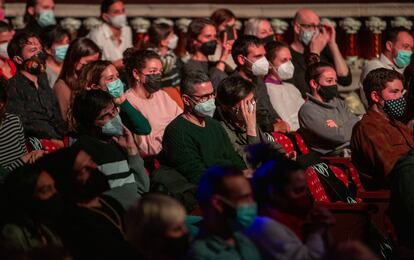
(311, 26)
(205, 97)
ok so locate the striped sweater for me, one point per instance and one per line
(12, 142)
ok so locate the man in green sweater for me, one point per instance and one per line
(194, 141)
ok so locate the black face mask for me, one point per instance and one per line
(177, 247)
(94, 186)
(152, 82)
(328, 92)
(47, 210)
(35, 65)
(268, 39)
(208, 48)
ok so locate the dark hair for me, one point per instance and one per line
(222, 15)
(51, 34)
(106, 4)
(232, 90)
(314, 71)
(191, 80)
(86, 108)
(5, 27)
(212, 182)
(135, 59)
(91, 74)
(273, 47)
(242, 44)
(194, 30)
(28, 18)
(78, 49)
(18, 42)
(392, 35)
(3, 98)
(159, 32)
(377, 79)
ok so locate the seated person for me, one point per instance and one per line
(382, 148)
(285, 98)
(39, 14)
(103, 75)
(144, 68)
(261, 28)
(7, 67)
(201, 43)
(56, 42)
(311, 38)
(226, 201)
(237, 113)
(194, 141)
(29, 94)
(249, 54)
(111, 145)
(325, 121)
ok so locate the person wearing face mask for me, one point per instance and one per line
(226, 201)
(39, 14)
(285, 98)
(56, 43)
(313, 39)
(144, 69)
(33, 208)
(110, 144)
(382, 148)
(325, 121)
(201, 43)
(194, 141)
(260, 28)
(163, 218)
(7, 67)
(114, 36)
(397, 49)
(29, 94)
(249, 54)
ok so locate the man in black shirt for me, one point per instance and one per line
(29, 94)
(313, 39)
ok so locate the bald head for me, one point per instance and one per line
(306, 16)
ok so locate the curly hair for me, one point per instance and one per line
(377, 80)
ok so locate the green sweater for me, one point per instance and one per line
(191, 149)
(134, 120)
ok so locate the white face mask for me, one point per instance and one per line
(307, 35)
(173, 42)
(3, 50)
(260, 67)
(285, 70)
(118, 21)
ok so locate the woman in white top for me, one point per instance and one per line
(285, 97)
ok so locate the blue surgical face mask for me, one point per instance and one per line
(306, 36)
(115, 88)
(113, 127)
(403, 58)
(60, 52)
(245, 215)
(45, 18)
(206, 108)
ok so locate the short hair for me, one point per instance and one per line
(194, 30)
(51, 34)
(212, 182)
(106, 4)
(242, 44)
(5, 27)
(159, 32)
(272, 48)
(152, 214)
(392, 35)
(377, 79)
(135, 58)
(18, 42)
(28, 18)
(86, 108)
(232, 90)
(222, 15)
(251, 27)
(190, 82)
(314, 71)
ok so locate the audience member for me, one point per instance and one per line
(310, 41)
(325, 121)
(7, 67)
(111, 145)
(56, 43)
(409, 86)
(29, 94)
(39, 14)
(285, 98)
(80, 52)
(163, 218)
(144, 70)
(114, 36)
(194, 141)
(260, 28)
(226, 201)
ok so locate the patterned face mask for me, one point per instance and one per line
(395, 108)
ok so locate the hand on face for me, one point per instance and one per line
(319, 41)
